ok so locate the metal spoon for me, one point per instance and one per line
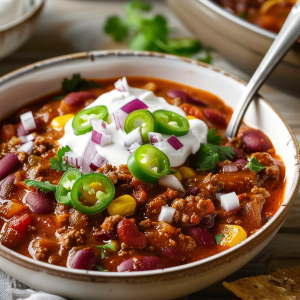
(287, 36)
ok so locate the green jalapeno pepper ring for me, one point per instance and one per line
(148, 164)
(104, 199)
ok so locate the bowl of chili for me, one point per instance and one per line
(242, 32)
(155, 226)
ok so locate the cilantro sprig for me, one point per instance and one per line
(218, 238)
(76, 83)
(43, 186)
(106, 246)
(59, 164)
(147, 31)
(207, 157)
(254, 165)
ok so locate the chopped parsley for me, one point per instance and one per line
(43, 186)
(146, 31)
(99, 268)
(254, 165)
(76, 83)
(59, 164)
(207, 157)
(106, 246)
(218, 238)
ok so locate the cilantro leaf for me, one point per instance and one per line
(207, 59)
(218, 238)
(207, 157)
(254, 165)
(106, 246)
(116, 27)
(59, 164)
(99, 268)
(76, 83)
(43, 186)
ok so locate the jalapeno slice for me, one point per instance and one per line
(171, 123)
(92, 193)
(141, 118)
(63, 191)
(81, 122)
(148, 164)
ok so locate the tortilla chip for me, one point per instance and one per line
(280, 285)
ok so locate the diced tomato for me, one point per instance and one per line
(192, 110)
(12, 209)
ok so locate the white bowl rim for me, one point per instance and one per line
(26, 15)
(267, 228)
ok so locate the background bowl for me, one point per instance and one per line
(15, 33)
(242, 43)
(46, 76)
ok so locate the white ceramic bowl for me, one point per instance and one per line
(243, 44)
(15, 33)
(43, 77)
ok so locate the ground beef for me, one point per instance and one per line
(111, 222)
(69, 239)
(79, 220)
(38, 172)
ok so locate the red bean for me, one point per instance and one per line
(241, 162)
(238, 154)
(78, 98)
(41, 203)
(208, 221)
(83, 259)
(185, 97)
(105, 235)
(173, 255)
(9, 164)
(255, 141)
(194, 191)
(141, 263)
(22, 132)
(215, 117)
(7, 185)
(202, 235)
(130, 235)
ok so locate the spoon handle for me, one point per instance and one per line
(289, 33)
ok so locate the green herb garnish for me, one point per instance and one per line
(106, 246)
(218, 238)
(59, 164)
(43, 186)
(207, 157)
(147, 31)
(254, 165)
(99, 268)
(76, 83)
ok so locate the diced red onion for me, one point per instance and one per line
(174, 142)
(172, 182)
(89, 153)
(73, 159)
(230, 168)
(27, 138)
(100, 126)
(155, 137)
(27, 147)
(101, 139)
(166, 214)
(28, 121)
(121, 85)
(230, 201)
(133, 137)
(119, 118)
(133, 147)
(133, 105)
(97, 162)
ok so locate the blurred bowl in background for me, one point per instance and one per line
(242, 43)
(17, 22)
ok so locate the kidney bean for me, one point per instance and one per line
(78, 98)
(241, 162)
(215, 117)
(83, 259)
(9, 164)
(141, 263)
(173, 255)
(185, 97)
(208, 221)
(41, 203)
(130, 235)
(22, 132)
(202, 235)
(105, 235)
(7, 185)
(193, 191)
(255, 141)
(238, 154)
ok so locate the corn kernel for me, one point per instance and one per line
(116, 244)
(60, 122)
(233, 235)
(177, 174)
(90, 194)
(186, 172)
(123, 206)
(189, 117)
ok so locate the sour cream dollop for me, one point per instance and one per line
(116, 152)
